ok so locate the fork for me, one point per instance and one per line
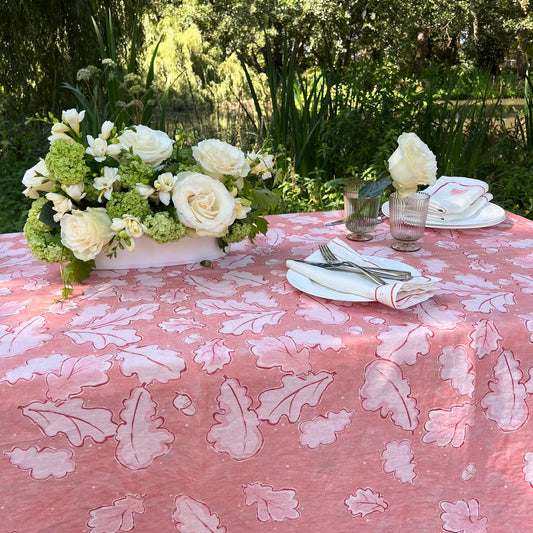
(330, 257)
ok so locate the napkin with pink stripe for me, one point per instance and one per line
(455, 198)
(396, 294)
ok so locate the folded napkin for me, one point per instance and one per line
(396, 294)
(469, 212)
(457, 196)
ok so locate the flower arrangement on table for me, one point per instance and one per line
(412, 164)
(96, 195)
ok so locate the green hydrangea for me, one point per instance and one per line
(162, 228)
(66, 163)
(128, 203)
(134, 171)
(44, 241)
(238, 231)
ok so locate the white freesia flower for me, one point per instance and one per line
(412, 164)
(97, 148)
(73, 119)
(37, 178)
(164, 185)
(261, 164)
(144, 190)
(106, 182)
(59, 132)
(75, 191)
(107, 128)
(217, 158)
(62, 204)
(204, 204)
(152, 146)
(133, 228)
(241, 208)
(86, 232)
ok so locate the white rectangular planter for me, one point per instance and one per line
(149, 253)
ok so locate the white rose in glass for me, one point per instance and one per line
(218, 158)
(86, 232)
(152, 146)
(204, 204)
(412, 164)
(36, 179)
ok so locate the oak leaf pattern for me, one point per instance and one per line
(365, 501)
(73, 419)
(456, 366)
(43, 464)
(281, 351)
(120, 516)
(484, 337)
(272, 504)
(140, 437)
(213, 355)
(462, 517)
(23, 337)
(449, 426)
(398, 459)
(385, 390)
(403, 343)
(290, 398)
(323, 430)
(506, 404)
(192, 516)
(236, 430)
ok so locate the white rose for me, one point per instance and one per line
(86, 232)
(217, 158)
(152, 146)
(204, 204)
(412, 164)
(36, 179)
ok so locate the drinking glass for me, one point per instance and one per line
(360, 217)
(408, 220)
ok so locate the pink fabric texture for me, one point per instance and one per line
(221, 399)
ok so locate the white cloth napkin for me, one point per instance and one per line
(453, 195)
(396, 294)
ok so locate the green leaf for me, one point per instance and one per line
(77, 271)
(264, 199)
(47, 215)
(374, 188)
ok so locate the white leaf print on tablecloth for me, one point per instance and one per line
(33, 367)
(457, 367)
(117, 517)
(243, 278)
(485, 337)
(192, 516)
(398, 459)
(151, 363)
(213, 355)
(323, 430)
(23, 337)
(72, 419)
(365, 501)
(449, 426)
(181, 324)
(252, 314)
(463, 517)
(210, 286)
(320, 310)
(100, 326)
(11, 308)
(528, 468)
(281, 351)
(290, 398)
(43, 464)
(529, 324)
(438, 316)
(385, 390)
(506, 403)
(236, 430)
(525, 282)
(141, 439)
(272, 504)
(402, 344)
(76, 373)
(316, 339)
(478, 294)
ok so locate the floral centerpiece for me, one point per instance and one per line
(96, 195)
(411, 164)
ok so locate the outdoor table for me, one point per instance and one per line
(220, 398)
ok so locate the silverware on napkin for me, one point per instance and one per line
(346, 266)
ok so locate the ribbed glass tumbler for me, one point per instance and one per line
(408, 220)
(360, 216)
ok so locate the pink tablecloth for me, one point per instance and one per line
(221, 399)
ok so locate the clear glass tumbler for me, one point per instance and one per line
(360, 218)
(408, 220)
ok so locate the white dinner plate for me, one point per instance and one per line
(489, 215)
(304, 284)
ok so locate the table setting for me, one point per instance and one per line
(304, 381)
